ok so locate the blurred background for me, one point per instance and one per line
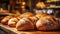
(51, 7)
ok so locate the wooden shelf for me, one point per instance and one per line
(52, 0)
(12, 30)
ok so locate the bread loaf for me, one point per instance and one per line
(5, 19)
(47, 23)
(12, 22)
(39, 15)
(27, 14)
(25, 24)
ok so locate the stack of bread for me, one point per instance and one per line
(29, 21)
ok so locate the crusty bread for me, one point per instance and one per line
(25, 24)
(27, 14)
(39, 15)
(34, 19)
(47, 23)
(5, 19)
(12, 22)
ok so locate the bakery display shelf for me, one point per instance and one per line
(53, 1)
(12, 30)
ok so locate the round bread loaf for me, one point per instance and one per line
(25, 24)
(12, 22)
(47, 23)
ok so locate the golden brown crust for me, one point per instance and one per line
(47, 23)
(24, 24)
(39, 15)
(5, 20)
(34, 19)
(27, 14)
(12, 22)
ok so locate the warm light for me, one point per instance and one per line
(22, 7)
(52, 0)
(55, 0)
(23, 3)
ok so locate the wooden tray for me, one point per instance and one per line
(12, 30)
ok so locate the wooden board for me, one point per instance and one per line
(12, 30)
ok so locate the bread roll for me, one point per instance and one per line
(41, 15)
(27, 14)
(47, 23)
(25, 24)
(5, 19)
(12, 22)
(40, 5)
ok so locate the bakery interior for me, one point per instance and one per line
(29, 16)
